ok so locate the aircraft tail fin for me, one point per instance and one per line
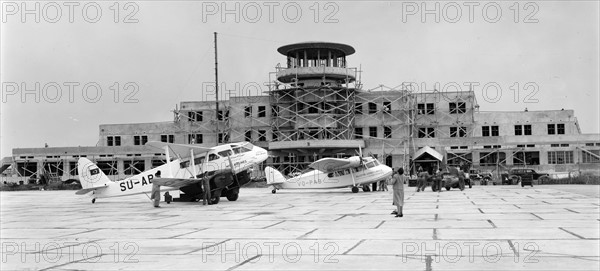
(90, 175)
(274, 176)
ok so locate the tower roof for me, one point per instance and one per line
(313, 45)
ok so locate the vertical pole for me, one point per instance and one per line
(216, 91)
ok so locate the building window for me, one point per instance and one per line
(425, 109)
(495, 131)
(195, 116)
(140, 140)
(387, 107)
(458, 131)
(387, 132)
(491, 159)
(372, 108)
(490, 131)
(459, 159)
(592, 156)
(560, 129)
(426, 132)
(262, 135)
(389, 160)
(313, 108)
(526, 158)
(527, 129)
(373, 131)
(458, 108)
(113, 141)
(247, 111)
(195, 139)
(274, 110)
(358, 109)
(133, 167)
(248, 136)
(262, 111)
(551, 129)
(167, 138)
(560, 157)
(523, 129)
(358, 132)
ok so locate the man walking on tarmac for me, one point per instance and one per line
(155, 195)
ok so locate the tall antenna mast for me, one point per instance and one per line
(216, 90)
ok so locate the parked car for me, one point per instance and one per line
(483, 176)
(525, 176)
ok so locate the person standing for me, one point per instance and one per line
(155, 195)
(398, 188)
(422, 178)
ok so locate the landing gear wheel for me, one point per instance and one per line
(215, 200)
(232, 196)
(93, 200)
(365, 188)
(354, 189)
(522, 185)
(273, 191)
(447, 188)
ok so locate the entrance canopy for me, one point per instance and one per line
(430, 151)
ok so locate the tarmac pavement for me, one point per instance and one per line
(484, 228)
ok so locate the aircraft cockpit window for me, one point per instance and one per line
(346, 171)
(212, 157)
(225, 153)
(237, 150)
(246, 147)
(370, 164)
(330, 174)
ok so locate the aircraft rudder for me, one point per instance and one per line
(90, 174)
(273, 176)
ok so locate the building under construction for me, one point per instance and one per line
(316, 108)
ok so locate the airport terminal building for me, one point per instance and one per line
(316, 108)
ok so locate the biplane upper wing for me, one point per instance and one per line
(175, 182)
(333, 164)
(183, 150)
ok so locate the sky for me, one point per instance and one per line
(67, 67)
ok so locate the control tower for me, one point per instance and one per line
(313, 101)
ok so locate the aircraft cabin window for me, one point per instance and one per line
(330, 174)
(212, 157)
(199, 160)
(225, 153)
(237, 150)
(184, 164)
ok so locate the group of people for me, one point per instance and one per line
(155, 193)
